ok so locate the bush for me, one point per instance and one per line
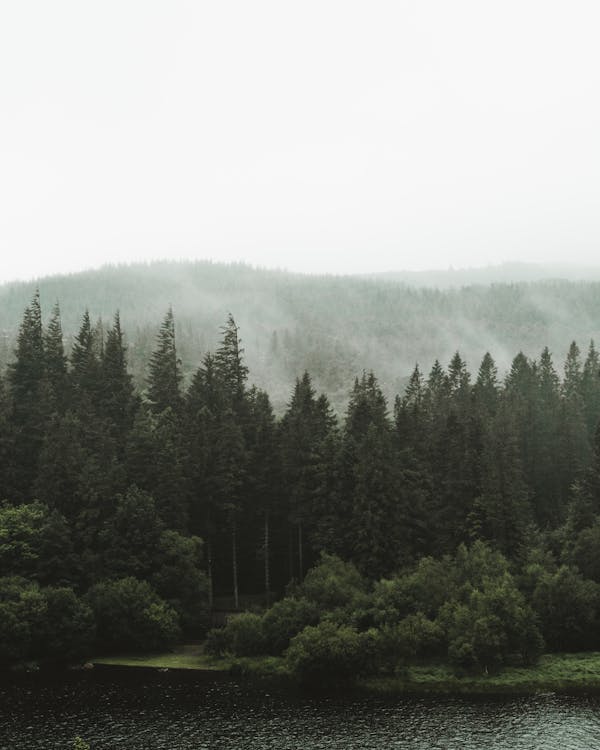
(69, 629)
(324, 654)
(242, 636)
(284, 620)
(414, 637)
(333, 583)
(131, 616)
(491, 624)
(180, 581)
(22, 615)
(567, 606)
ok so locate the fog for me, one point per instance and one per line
(322, 137)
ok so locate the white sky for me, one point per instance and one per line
(316, 136)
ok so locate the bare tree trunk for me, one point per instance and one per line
(267, 567)
(236, 599)
(291, 551)
(209, 561)
(300, 562)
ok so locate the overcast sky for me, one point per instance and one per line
(315, 136)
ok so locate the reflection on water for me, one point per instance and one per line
(172, 712)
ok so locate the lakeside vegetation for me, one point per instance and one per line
(462, 528)
(577, 672)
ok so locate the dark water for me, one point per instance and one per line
(178, 713)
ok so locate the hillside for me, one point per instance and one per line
(332, 326)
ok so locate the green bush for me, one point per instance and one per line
(325, 654)
(284, 620)
(69, 629)
(23, 610)
(242, 636)
(414, 637)
(131, 616)
(489, 625)
(333, 583)
(567, 606)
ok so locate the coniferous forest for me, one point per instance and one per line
(463, 519)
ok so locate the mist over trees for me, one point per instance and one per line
(135, 509)
(332, 327)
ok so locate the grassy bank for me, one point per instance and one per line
(192, 657)
(554, 672)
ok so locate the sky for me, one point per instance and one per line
(329, 136)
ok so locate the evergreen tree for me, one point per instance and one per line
(165, 370)
(118, 402)
(590, 389)
(85, 365)
(56, 361)
(229, 364)
(26, 383)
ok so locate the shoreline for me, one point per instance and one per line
(554, 673)
(566, 673)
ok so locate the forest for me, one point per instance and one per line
(461, 520)
(331, 326)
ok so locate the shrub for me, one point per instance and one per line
(326, 654)
(489, 625)
(285, 619)
(333, 583)
(69, 628)
(242, 636)
(130, 615)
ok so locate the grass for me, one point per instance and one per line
(192, 656)
(553, 673)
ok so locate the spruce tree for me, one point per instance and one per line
(118, 401)
(56, 360)
(165, 370)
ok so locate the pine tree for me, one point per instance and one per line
(486, 388)
(56, 360)
(165, 370)
(229, 364)
(26, 385)
(304, 427)
(118, 401)
(590, 389)
(85, 364)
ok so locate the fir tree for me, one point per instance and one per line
(165, 370)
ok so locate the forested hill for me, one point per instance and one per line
(334, 327)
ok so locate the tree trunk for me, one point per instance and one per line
(300, 562)
(267, 568)
(236, 599)
(209, 561)
(291, 551)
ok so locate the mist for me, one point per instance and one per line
(326, 139)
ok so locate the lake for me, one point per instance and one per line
(154, 711)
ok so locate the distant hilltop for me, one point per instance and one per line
(504, 273)
(332, 326)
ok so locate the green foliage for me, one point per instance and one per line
(180, 581)
(333, 583)
(79, 744)
(243, 635)
(131, 616)
(567, 606)
(413, 637)
(285, 619)
(586, 552)
(424, 589)
(326, 654)
(69, 630)
(489, 625)
(23, 611)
